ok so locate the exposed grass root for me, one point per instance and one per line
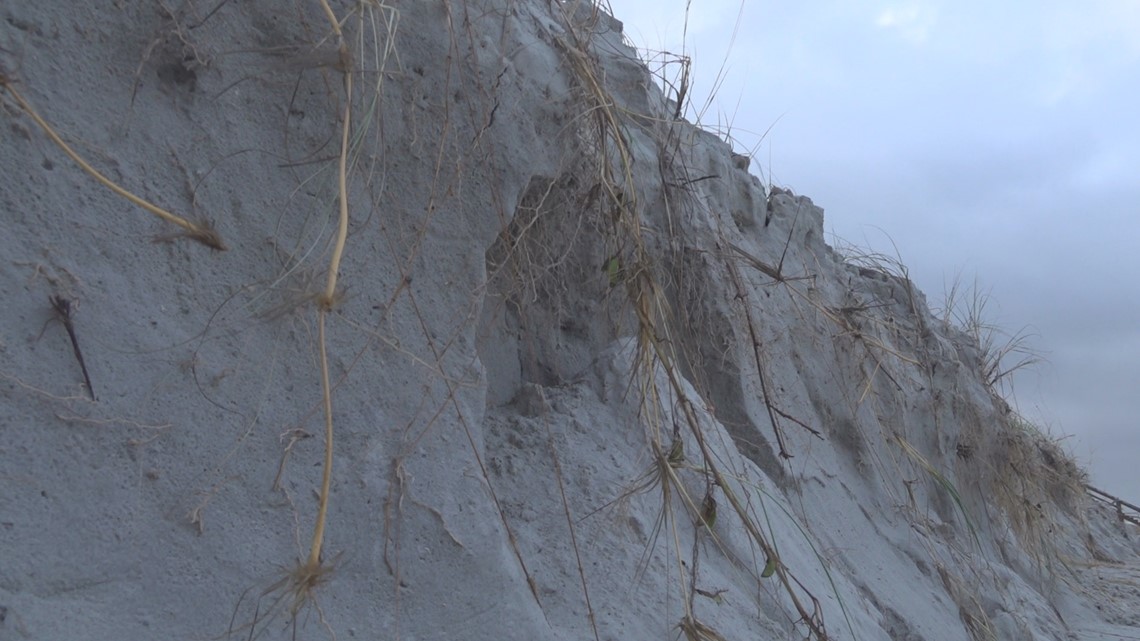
(311, 573)
(655, 354)
(202, 231)
(288, 597)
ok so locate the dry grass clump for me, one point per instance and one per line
(1037, 487)
(1033, 481)
(1031, 478)
(1002, 354)
(970, 610)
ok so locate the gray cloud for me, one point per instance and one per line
(988, 140)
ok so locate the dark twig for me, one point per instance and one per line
(62, 307)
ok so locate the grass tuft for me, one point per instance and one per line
(1003, 354)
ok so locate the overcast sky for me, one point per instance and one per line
(996, 141)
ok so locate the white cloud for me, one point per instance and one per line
(913, 22)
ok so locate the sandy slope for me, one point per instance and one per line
(571, 327)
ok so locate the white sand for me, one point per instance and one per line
(489, 369)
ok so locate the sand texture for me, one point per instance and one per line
(589, 378)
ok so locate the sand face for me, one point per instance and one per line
(589, 377)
